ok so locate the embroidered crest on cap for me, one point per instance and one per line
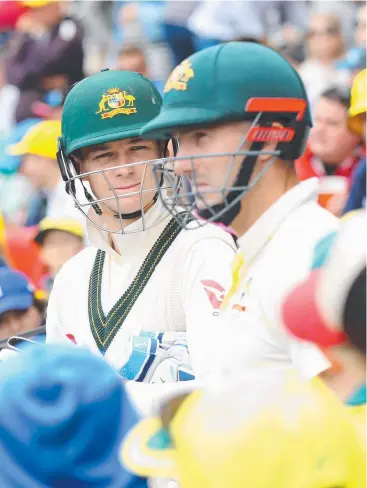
(114, 102)
(179, 77)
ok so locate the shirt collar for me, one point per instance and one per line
(252, 242)
(135, 239)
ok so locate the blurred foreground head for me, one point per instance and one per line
(329, 307)
(63, 414)
(264, 432)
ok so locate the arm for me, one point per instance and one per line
(207, 276)
(207, 273)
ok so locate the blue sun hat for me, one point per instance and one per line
(63, 415)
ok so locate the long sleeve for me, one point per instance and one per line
(54, 331)
(207, 275)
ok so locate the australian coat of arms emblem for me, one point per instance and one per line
(179, 77)
(115, 101)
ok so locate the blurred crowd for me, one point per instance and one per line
(48, 46)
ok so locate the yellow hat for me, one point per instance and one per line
(40, 139)
(358, 104)
(65, 224)
(37, 3)
(259, 434)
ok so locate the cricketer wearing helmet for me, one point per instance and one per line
(240, 115)
(146, 291)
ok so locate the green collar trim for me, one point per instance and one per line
(104, 328)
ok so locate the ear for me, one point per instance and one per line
(270, 146)
(80, 167)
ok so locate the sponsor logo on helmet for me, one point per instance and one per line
(179, 77)
(114, 102)
(271, 134)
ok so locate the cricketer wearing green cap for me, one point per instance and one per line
(145, 290)
(240, 114)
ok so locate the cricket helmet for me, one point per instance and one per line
(105, 107)
(236, 81)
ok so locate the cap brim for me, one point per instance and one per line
(40, 237)
(17, 149)
(355, 123)
(22, 301)
(147, 450)
(303, 318)
(102, 137)
(175, 118)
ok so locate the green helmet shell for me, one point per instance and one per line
(107, 106)
(216, 84)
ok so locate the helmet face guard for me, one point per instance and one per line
(145, 196)
(223, 203)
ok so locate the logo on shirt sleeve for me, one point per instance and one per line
(215, 293)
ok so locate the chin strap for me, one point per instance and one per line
(227, 215)
(138, 213)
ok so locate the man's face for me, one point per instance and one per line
(117, 175)
(330, 139)
(35, 168)
(47, 15)
(15, 322)
(132, 62)
(324, 41)
(58, 247)
(211, 174)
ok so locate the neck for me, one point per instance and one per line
(260, 198)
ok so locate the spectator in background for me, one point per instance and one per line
(357, 124)
(324, 47)
(8, 101)
(262, 21)
(21, 307)
(132, 58)
(16, 191)
(178, 37)
(355, 59)
(38, 151)
(60, 239)
(46, 54)
(333, 151)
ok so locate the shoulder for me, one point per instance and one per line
(311, 220)
(290, 253)
(207, 234)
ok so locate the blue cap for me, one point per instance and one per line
(11, 164)
(63, 415)
(16, 291)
